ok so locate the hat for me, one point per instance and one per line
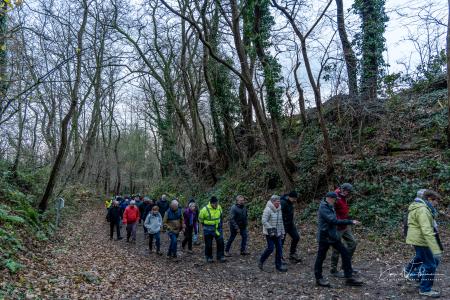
(331, 195)
(132, 202)
(213, 199)
(293, 194)
(347, 187)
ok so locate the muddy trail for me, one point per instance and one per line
(82, 263)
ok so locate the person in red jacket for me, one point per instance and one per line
(131, 217)
(344, 232)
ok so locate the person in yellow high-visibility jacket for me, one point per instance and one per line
(108, 203)
(211, 218)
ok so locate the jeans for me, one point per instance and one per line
(348, 239)
(292, 231)
(157, 238)
(322, 254)
(273, 242)
(173, 244)
(427, 268)
(233, 234)
(209, 237)
(188, 237)
(131, 231)
(111, 227)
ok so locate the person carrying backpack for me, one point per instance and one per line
(423, 235)
(173, 223)
(211, 218)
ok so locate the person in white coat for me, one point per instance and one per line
(273, 229)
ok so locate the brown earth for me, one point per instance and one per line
(82, 263)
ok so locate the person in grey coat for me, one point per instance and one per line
(327, 236)
(238, 224)
(153, 223)
(273, 229)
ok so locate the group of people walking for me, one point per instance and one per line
(334, 231)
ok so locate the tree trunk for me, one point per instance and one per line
(349, 56)
(74, 100)
(448, 74)
(301, 95)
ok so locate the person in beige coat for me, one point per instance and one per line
(273, 229)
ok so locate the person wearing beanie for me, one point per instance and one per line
(211, 218)
(344, 232)
(327, 236)
(288, 208)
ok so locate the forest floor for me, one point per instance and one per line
(82, 263)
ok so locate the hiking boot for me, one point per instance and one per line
(222, 260)
(159, 252)
(356, 271)
(353, 282)
(283, 261)
(431, 293)
(227, 254)
(190, 252)
(119, 238)
(323, 282)
(295, 258)
(260, 266)
(282, 269)
(209, 260)
(245, 253)
(337, 274)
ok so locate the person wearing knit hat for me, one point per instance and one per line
(327, 237)
(288, 208)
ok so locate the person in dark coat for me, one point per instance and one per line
(163, 205)
(287, 208)
(238, 224)
(327, 236)
(113, 217)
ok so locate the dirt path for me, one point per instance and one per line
(85, 264)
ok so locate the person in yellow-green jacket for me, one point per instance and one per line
(108, 203)
(423, 235)
(211, 218)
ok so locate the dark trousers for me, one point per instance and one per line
(273, 243)
(111, 229)
(209, 237)
(427, 269)
(322, 254)
(188, 237)
(157, 238)
(293, 233)
(173, 244)
(233, 234)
